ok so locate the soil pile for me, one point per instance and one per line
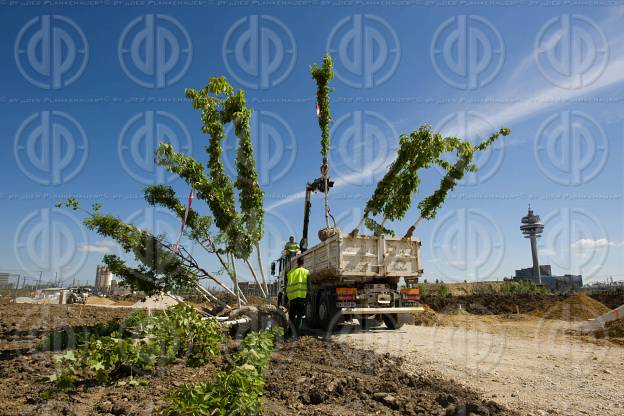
(612, 329)
(97, 300)
(492, 303)
(612, 298)
(312, 377)
(426, 318)
(158, 302)
(578, 307)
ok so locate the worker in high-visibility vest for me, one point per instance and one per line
(297, 293)
(291, 248)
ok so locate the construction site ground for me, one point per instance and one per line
(455, 363)
(522, 362)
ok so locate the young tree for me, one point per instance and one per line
(230, 233)
(322, 75)
(420, 150)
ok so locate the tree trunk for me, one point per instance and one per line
(238, 291)
(253, 274)
(264, 281)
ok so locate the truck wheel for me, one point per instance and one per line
(311, 315)
(367, 322)
(326, 310)
(392, 321)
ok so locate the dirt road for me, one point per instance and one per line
(527, 364)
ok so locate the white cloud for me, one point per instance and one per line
(339, 182)
(599, 243)
(91, 248)
(547, 252)
(102, 246)
(110, 243)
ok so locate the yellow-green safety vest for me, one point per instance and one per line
(291, 247)
(297, 286)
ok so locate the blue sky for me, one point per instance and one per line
(84, 102)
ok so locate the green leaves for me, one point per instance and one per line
(141, 343)
(236, 390)
(159, 269)
(465, 152)
(220, 105)
(419, 150)
(322, 75)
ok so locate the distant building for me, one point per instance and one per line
(103, 279)
(557, 283)
(545, 270)
(4, 280)
(532, 228)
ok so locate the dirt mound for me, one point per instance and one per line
(97, 300)
(310, 376)
(612, 298)
(158, 302)
(577, 307)
(612, 329)
(492, 303)
(427, 318)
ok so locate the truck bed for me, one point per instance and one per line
(363, 258)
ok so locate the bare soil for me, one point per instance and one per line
(578, 307)
(612, 298)
(527, 363)
(308, 376)
(491, 303)
(312, 376)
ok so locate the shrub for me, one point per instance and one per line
(143, 343)
(236, 389)
(523, 287)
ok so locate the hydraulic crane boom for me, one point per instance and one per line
(318, 185)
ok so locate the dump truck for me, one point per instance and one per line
(356, 276)
(352, 275)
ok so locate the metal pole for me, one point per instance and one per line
(39, 281)
(19, 276)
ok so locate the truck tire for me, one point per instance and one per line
(367, 322)
(311, 310)
(326, 310)
(392, 321)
